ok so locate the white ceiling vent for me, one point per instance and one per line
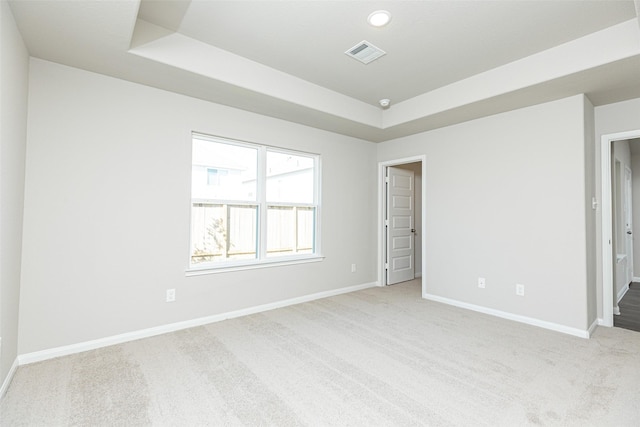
(365, 52)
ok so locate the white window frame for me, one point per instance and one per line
(261, 260)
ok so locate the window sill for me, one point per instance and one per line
(199, 271)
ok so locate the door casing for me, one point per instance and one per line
(628, 222)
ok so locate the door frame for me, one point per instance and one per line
(606, 221)
(382, 197)
(628, 198)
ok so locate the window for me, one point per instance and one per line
(251, 204)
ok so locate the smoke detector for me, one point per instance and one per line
(365, 52)
(384, 103)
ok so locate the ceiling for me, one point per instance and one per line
(446, 61)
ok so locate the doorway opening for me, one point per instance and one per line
(616, 238)
(401, 216)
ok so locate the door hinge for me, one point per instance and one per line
(386, 266)
(386, 179)
(386, 222)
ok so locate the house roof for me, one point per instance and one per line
(445, 62)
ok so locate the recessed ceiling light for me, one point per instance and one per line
(379, 18)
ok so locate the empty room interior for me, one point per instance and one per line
(319, 212)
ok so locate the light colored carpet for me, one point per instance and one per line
(378, 357)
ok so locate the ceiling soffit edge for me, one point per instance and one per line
(174, 49)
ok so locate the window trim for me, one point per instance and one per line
(254, 264)
(261, 260)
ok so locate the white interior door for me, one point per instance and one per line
(400, 225)
(628, 223)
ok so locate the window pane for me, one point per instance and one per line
(223, 171)
(306, 229)
(223, 232)
(289, 178)
(280, 232)
(290, 230)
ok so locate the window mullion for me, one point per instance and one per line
(227, 233)
(295, 229)
(262, 202)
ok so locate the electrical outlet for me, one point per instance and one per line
(481, 282)
(519, 289)
(353, 268)
(171, 295)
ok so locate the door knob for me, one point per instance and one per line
(413, 230)
(629, 232)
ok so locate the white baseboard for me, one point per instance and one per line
(616, 310)
(593, 327)
(66, 350)
(510, 316)
(622, 293)
(635, 279)
(9, 378)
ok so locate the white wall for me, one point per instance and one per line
(506, 201)
(106, 224)
(590, 213)
(613, 118)
(14, 62)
